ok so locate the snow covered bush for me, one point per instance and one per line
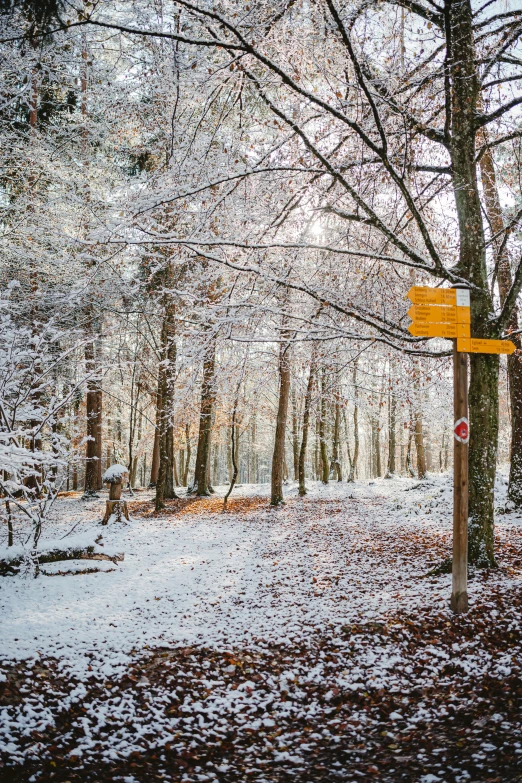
(34, 394)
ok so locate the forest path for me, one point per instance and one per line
(193, 574)
(299, 643)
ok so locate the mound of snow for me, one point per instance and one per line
(115, 474)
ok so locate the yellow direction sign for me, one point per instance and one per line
(437, 314)
(423, 295)
(473, 345)
(445, 312)
(449, 331)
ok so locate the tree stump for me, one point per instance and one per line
(114, 477)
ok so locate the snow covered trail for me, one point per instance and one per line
(306, 632)
(226, 579)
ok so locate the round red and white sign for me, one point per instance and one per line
(461, 430)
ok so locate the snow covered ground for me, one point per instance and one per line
(267, 623)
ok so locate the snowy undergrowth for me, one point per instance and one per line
(268, 618)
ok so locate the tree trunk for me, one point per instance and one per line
(76, 409)
(215, 465)
(134, 466)
(392, 415)
(325, 468)
(409, 466)
(356, 445)
(295, 435)
(232, 450)
(514, 362)
(155, 449)
(166, 380)
(181, 465)
(98, 447)
(373, 447)
(347, 441)
(236, 453)
(230, 461)
(93, 466)
(392, 423)
(254, 456)
(210, 482)
(210, 488)
(188, 455)
(335, 466)
(375, 462)
(317, 470)
(419, 446)
(418, 428)
(201, 486)
(428, 453)
(483, 389)
(378, 460)
(170, 486)
(306, 422)
(278, 456)
(93, 447)
(483, 441)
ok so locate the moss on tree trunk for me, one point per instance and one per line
(483, 406)
(483, 390)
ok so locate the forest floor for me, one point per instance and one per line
(304, 643)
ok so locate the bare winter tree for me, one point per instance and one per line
(405, 115)
(376, 117)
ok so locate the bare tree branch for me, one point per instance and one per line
(509, 304)
(484, 119)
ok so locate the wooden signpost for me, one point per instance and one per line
(445, 312)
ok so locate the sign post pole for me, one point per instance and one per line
(445, 312)
(459, 591)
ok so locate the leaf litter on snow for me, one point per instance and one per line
(306, 643)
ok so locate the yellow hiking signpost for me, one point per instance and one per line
(431, 329)
(445, 312)
(485, 346)
(419, 294)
